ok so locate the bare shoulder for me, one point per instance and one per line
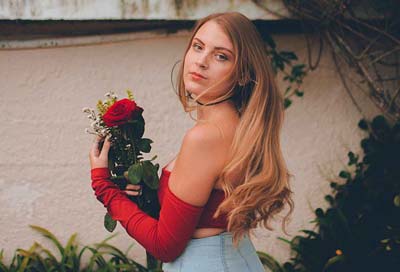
(198, 164)
(203, 133)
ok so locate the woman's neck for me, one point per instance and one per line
(216, 112)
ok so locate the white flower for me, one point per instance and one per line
(110, 95)
(86, 110)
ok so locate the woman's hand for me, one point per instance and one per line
(99, 159)
(133, 190)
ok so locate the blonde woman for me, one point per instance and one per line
(229, 175)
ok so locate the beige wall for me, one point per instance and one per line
(132, 9)
(44, 167)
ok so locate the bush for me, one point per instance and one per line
(104, 257)
(360, 230)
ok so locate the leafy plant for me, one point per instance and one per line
(360, 229)
(104, 257)
(284, 62)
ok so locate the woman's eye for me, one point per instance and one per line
(222, 57)
(196, 46)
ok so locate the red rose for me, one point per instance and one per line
(121, 112)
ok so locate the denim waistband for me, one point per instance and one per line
(225, 236)
(216, 253)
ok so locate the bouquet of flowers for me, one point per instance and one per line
(123, 121)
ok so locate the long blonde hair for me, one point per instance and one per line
(262, 188)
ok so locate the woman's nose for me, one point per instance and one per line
(202, 61)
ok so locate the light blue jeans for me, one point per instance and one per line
(216, 254)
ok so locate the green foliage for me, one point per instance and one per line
(360, 230)
(104, 257)
(269, 262)
(135, 173)
(109, 223)
(284, 62)
(145, 145)
(130, 95)
(144, 170)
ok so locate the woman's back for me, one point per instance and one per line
(227, 122)
(227, 128)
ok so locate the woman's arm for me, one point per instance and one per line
(165, 238)
(190, 185)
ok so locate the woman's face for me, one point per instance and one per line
(210, 58)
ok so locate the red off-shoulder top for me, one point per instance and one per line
(206, 218)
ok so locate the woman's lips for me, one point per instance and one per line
(196, 76)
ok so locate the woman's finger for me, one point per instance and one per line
(94, 151)
(133, 187)
(106, 148)
(133, 193)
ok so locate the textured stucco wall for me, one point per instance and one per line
(44, 167)
(132, 9)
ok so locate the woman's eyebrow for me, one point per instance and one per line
(216, 47)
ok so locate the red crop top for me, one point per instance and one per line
(206, 218)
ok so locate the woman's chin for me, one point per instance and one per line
(196, 90)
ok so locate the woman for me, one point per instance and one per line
(229, 174)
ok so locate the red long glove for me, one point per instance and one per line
(166, 238)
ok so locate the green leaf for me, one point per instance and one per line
(284, 240)
(297, 70)
(145, 145)
(109, 223)
(288, 55)
(115, 251)
(363, 124)
(319, 212)
(70, 243)
(135, 173)
(332, 261)
(352, 158)
(150, 175)
(396, 200)
(344, 174)
(279, 64)
(269, 262)
(329, 199)
(28, 254)
(269, 40)
(287, 102)
(310, 233)
(130, 94)
(50, 236)
(139, 127)
(299, 93)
